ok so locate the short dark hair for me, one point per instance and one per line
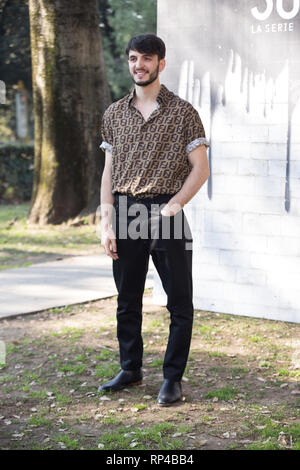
(147, 43)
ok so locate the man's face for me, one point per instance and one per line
(144, 68)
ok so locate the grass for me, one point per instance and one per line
(153, 437)
(274, 436)
(105, 355)
(66, 442)
(238, 371)
(225, 394)
(107, 370)
(156, 363)
(39, 420)
(23, 244)
(76, 369)
(37, 394)
(69, 333)
(139, 406)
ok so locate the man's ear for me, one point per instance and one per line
(162, 64)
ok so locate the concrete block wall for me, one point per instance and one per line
(246, 257)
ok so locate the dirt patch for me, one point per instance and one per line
(241, 385)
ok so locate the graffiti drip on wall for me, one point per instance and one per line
(248, 72)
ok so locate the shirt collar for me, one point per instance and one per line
(162, 97)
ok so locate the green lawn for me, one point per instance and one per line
(23, 244)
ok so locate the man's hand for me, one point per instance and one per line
(108, 241)
(171, 209)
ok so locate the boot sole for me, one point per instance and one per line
(171, 403)
(131, 384)
(134, 383)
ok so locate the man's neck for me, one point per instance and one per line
(146, 94)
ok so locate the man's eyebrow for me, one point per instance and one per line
(147, 55)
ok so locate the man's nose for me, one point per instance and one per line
(139, 62)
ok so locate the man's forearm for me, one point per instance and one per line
(107, 201)
(191, 186)
(108, 239)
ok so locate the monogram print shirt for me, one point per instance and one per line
(151, 157)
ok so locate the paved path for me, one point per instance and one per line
(57, 283)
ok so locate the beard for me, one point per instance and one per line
(152, 78)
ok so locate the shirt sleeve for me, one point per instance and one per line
(195, 133)
(106, 132)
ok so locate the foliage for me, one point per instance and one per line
(15, 61)
(119, 21)
(16, 165)
(15, 55)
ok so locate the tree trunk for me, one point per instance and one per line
(70, 94)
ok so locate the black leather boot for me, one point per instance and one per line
(123, 379)
(169, 393)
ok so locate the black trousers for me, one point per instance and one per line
(142, 231)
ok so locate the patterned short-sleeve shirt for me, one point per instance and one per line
(151, 157)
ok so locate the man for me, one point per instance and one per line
(155, 162)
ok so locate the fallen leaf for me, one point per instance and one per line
(133, 444)
(282, 439)
(201, 443)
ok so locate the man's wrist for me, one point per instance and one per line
(171, 208)
(105, 224)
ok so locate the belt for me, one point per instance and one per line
(160, 198)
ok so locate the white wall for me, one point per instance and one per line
(246, 257)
